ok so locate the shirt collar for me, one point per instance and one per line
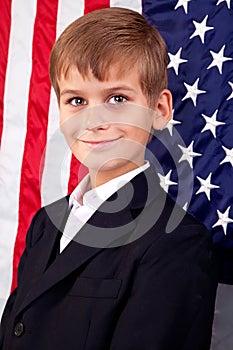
(93, 198)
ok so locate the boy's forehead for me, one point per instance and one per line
(114, 72)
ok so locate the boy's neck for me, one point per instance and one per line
(98, 178)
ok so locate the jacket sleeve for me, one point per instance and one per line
(11, 300)
(171, 303)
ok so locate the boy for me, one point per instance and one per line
(99, 270)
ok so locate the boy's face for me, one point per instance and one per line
(107, 124)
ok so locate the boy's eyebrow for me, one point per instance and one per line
(107, 90)
(117, 88)
(70, 92)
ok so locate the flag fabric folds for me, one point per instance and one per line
(201, 79)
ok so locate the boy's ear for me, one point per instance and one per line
(162, 110)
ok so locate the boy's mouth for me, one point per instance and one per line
(100, 144)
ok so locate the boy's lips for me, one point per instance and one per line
(101, 143)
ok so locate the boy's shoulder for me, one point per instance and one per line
(48, 218)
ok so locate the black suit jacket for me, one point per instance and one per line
(150, 286)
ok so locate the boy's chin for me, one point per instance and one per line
(117, 166)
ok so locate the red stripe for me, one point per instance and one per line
(77, 172)
(37, 121)
(89, 5)
(5, 24)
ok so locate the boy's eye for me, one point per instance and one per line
(77, 101)
(117, 99)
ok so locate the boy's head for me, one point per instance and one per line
(109, 71)
(112, 37)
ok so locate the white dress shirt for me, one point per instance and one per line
(84, 201)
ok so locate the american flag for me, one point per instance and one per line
(199, 36)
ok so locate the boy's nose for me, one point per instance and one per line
(97, 117)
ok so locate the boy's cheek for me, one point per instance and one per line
(71, 129)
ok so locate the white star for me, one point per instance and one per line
(218, 59)
(228, 2)
(206, 186)
(176, 60)
(165, 181)
(188, 154)
(211, 123)
(171, 123)
(201, 29)
(229, 156)
(183, 3)
(231, 95)
(193, 92)
(223, 220)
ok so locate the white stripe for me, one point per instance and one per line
(14, 131)
(68, 11)
(135, 5)
(57, 160)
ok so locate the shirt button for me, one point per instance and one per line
(19, 329)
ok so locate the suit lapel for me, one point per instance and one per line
(110, 224)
